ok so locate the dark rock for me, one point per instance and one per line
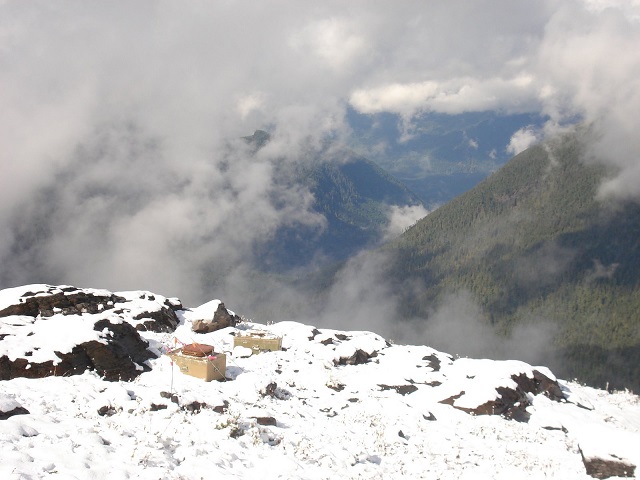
(155, 407)
(338, 388)
(342, 337)
(548, 387)
(358, 358)
(272, 390)
(327, 341)
(267, 421)
(118, 359)
(450, 400)
(163, 320)
(106, 411)
(65, 302)
(221, 319)
(401, 389)
(18, 410)
(431, 417)
(434, 362)
(314, 332)
(221, 408)
(605, 468)
(194, 407)
(518, 413)
(512, 403)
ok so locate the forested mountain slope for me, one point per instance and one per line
(533, 244)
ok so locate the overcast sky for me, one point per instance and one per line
(119, 161)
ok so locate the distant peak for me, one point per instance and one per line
(258, 140)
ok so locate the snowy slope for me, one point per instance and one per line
(302, 413)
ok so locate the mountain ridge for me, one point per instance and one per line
(534, 241)
(330, 403)
(353, 194)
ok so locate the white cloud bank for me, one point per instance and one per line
(521, 140)
(119, 162)
(401, 218)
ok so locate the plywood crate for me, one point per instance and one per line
(208, 368)
(258, 341)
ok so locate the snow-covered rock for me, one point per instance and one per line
(47, 330)
(315, 409)
(210, 317)
(9, 407)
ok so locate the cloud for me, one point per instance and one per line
(588, 57)
(454, 96)
(250, 103)
(458, 326)
(522, 139)
(401, 218)
(334, 41)
(120, 159)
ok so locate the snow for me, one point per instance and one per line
(204, 311)
(331, 420)
(7, 404)
(47, 335)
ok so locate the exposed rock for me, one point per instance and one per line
(221, 319)
(337, 387)
(163, 320)
(267, 421)
(434, 362)
(15, 411)
(272, 390)
(118, 354)
(171, 396)
(512, 403)
(314, 332)
(221, 408)
(9, 407)
(194, 407)
(121, 357)
(106, 411)
(604, 468)
(65, 301)
(358, 358)
(401, 389)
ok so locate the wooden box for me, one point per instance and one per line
(258, 341)
(208, 368)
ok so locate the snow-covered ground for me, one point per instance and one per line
(299, 413)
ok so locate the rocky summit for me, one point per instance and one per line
(87, 390)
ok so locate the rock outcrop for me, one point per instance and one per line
(605, 468)
(222, 318)
(512, 393)
(9, 407)
(65, 300)
(73, 330)
(121, 357)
